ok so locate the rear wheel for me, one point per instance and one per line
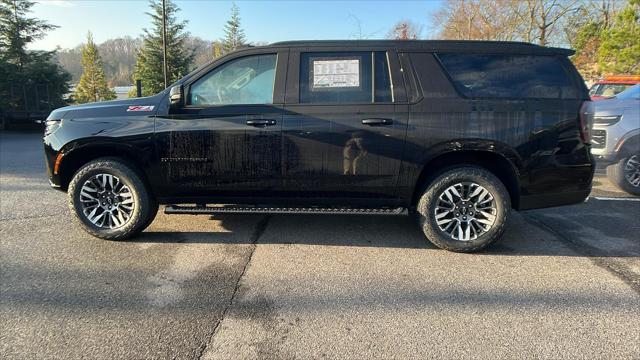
(626, 174)
(464, 209)
(109, 200)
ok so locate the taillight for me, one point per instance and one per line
(586, 121)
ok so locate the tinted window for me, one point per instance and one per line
(382, 78)
(248, 80)
(344, 77)
(508, 76)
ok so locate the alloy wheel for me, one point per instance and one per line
(465, 211)
(632, 170)
(106, 201)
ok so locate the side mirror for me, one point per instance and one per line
(176, 97)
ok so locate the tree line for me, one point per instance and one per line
(119, 57)
(182, 49)
(29, 80)
(97, 68)
(604, 33)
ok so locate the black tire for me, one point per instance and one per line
(616, 173)
(469, 175)
(144, 207)
(153, 212)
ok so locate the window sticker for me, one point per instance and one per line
(336, 73)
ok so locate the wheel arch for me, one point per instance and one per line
(629, 145)
(77, 156)
(498, 164)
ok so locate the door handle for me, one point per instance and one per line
(261, 122)
(377, 122)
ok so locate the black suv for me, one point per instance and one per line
(459, 132)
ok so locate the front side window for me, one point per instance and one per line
(344, 77)
(508, 76)
(248, 80)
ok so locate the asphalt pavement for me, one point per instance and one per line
(562, 283)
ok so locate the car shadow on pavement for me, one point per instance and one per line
(523, 237)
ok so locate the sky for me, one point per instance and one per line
(263, 21)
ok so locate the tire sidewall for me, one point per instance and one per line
(615, 173)
(130, 179)
(626, 185)
(454, 176)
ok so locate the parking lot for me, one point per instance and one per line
(562, 283)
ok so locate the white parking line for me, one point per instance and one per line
(615, 198)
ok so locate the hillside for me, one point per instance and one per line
(119, 58)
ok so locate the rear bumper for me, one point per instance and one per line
(558, 186)
(541, 201)
(606, 159)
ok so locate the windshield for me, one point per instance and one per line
(631, 93)
(608, 90)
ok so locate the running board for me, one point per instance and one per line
(235, 209)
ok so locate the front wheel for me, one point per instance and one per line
(464, 209)
(626, 174)
(110, 200)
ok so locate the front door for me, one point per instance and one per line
(226, 140)
(344, 125)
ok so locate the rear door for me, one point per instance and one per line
(344, 124)
(226, 140)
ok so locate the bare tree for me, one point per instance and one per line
(541, 18)
(537, 21)
(456, 20)
(358, 33)
(598, 13)
(477, 20)
(405, 30)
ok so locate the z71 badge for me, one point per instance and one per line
(140, 108)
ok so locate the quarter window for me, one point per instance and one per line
(248, 80)
(344, 77)
(508, 76)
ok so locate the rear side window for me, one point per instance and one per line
(508, 76)
(344, 77)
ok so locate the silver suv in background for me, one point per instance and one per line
(616, 138)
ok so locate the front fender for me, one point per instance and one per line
(629, 144)
(78, 141)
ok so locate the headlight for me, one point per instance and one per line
(50, 126)
(606, 120)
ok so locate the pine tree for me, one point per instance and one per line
(149, 62)
(34, 75)
(586, 44)
(92, 86)
(217, 49)
(619, 51)
(17, 31)
(233, 33)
